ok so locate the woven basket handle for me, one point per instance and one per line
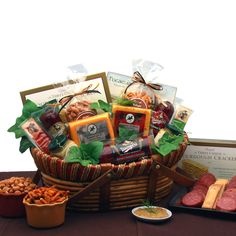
(102, 180)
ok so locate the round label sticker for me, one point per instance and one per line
(129, 118)
(92, 129)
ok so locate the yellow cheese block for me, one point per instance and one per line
(94, 128)
(132, 118)
(211, 196)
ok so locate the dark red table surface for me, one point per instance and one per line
(122, 223)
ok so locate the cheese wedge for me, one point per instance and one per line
(211, 196)
(94, 128)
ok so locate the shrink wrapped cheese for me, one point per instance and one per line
(132, 118)
(95, 128)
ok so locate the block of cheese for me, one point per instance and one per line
(95, 128)
(211, 196)
(132, 118)
(223, 183)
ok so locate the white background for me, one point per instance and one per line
(195, 42)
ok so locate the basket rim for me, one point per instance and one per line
(153, 157)
(56, 167)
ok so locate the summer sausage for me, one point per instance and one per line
(231, 184)
(231, 192)
(193, 199)
(207, 179)
(200, 187)
(233, 178)
(226, 204)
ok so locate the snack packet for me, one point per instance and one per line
(145, 89)
(181, 116)
(77, 106)
(36, 134)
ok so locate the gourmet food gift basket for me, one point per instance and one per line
(110, 140)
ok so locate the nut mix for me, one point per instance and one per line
(147, 99)
(78, 110)
(16, 185)
(46, 195)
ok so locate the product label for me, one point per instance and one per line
(117, 84)
(131, 150)
(41, 95)
(128, 147)
(221, 161)
(131, 121)
(138, 102)
(36, 134)
(97, 131)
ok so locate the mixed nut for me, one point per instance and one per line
(16, 185)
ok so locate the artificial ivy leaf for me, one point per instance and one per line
(19, 133)
(174, 129)
(19, 121)
(94, 105)
(101, 105)
(85, 162)
(179, 124)
(167, 144)
(85, 154)
(74, 155)
(92, 151)
(25, 144)
(105, 106)
(126, 134)
(124, 102)
(28, 108)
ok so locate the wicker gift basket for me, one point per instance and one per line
(103, 185)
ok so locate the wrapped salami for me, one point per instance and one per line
(127, 151)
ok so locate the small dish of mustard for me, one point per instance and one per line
(151, 213)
